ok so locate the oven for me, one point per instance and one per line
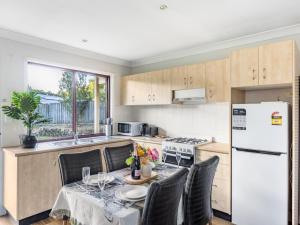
(187, 159)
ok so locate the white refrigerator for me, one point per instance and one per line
(260, 163)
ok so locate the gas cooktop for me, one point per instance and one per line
(190, 141)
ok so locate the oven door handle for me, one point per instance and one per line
(182, 156)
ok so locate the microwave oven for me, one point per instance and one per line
(130, 128)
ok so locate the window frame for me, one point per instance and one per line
(74, 100)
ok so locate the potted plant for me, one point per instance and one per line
(23, 107)
(148, 157)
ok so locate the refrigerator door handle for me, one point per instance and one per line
(258, 151)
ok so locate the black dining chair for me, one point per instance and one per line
(115, 157)
(71, 165)
(197, 194)
(162, 201)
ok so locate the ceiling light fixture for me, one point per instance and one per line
(84, 40)
(163, 7)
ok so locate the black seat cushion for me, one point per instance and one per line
(115, 157)
(162, 201)
(197, 196)
(71, 165)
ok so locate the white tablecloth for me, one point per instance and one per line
(86, 209)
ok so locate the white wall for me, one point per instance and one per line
(206, 120)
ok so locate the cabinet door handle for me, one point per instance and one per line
(253, 74)
(191, 80)
(184, 79)
(149, 97)
(264, 73)
(214, 185)
(215, 201)
(153, 97)
(132, 98)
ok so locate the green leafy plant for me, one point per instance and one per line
(23, 107)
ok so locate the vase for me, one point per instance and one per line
(29, 141)
(147, 170)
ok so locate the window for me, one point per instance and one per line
(73, 101)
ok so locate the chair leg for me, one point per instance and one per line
(210, 222)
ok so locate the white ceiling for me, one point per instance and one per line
(137, 29)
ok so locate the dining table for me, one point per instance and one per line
(87, 205)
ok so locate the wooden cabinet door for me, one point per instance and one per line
(141, 88)
(276, 63)
(125, 90)
(160, 88)
(244, 67)
(217, 79)
(36, 190)
(195, 76)
(178, 78)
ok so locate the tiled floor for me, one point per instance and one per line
(5, 221)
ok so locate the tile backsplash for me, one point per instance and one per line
(206, 120)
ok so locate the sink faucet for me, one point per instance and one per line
(76, 138)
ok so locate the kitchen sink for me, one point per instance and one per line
(82, 141)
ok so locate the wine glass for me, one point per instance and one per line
(86, 175)
(102, 179)
(164, 157)
(178, 158)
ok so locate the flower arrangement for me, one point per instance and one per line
(147, 155)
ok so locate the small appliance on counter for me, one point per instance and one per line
(130, 128)
(108, 127)
(151, 131)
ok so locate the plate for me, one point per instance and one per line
(93, 181)
(132, 193)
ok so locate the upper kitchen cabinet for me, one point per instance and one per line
(276, 62)
(133, 89)
(188, 77)
(178, 78)
(267, 65)
(195, 76)
(160, 92)
(244, 67)
(217, 77)
(153, 88)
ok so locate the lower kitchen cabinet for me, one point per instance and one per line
(221, 189)
(32, 182)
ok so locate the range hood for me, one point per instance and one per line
(189, 96)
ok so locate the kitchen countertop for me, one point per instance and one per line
(154, 140)
(50, 146)
(216, 147)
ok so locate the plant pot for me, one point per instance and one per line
(29, 141)
(147, 170)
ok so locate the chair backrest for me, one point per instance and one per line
(71, 165)
(197, 196)
(163, 198)
(115, 157)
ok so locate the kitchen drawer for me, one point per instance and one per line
(221, 195)
(224, 158)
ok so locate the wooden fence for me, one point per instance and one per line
(59, 113)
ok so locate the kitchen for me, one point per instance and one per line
(188, 104)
